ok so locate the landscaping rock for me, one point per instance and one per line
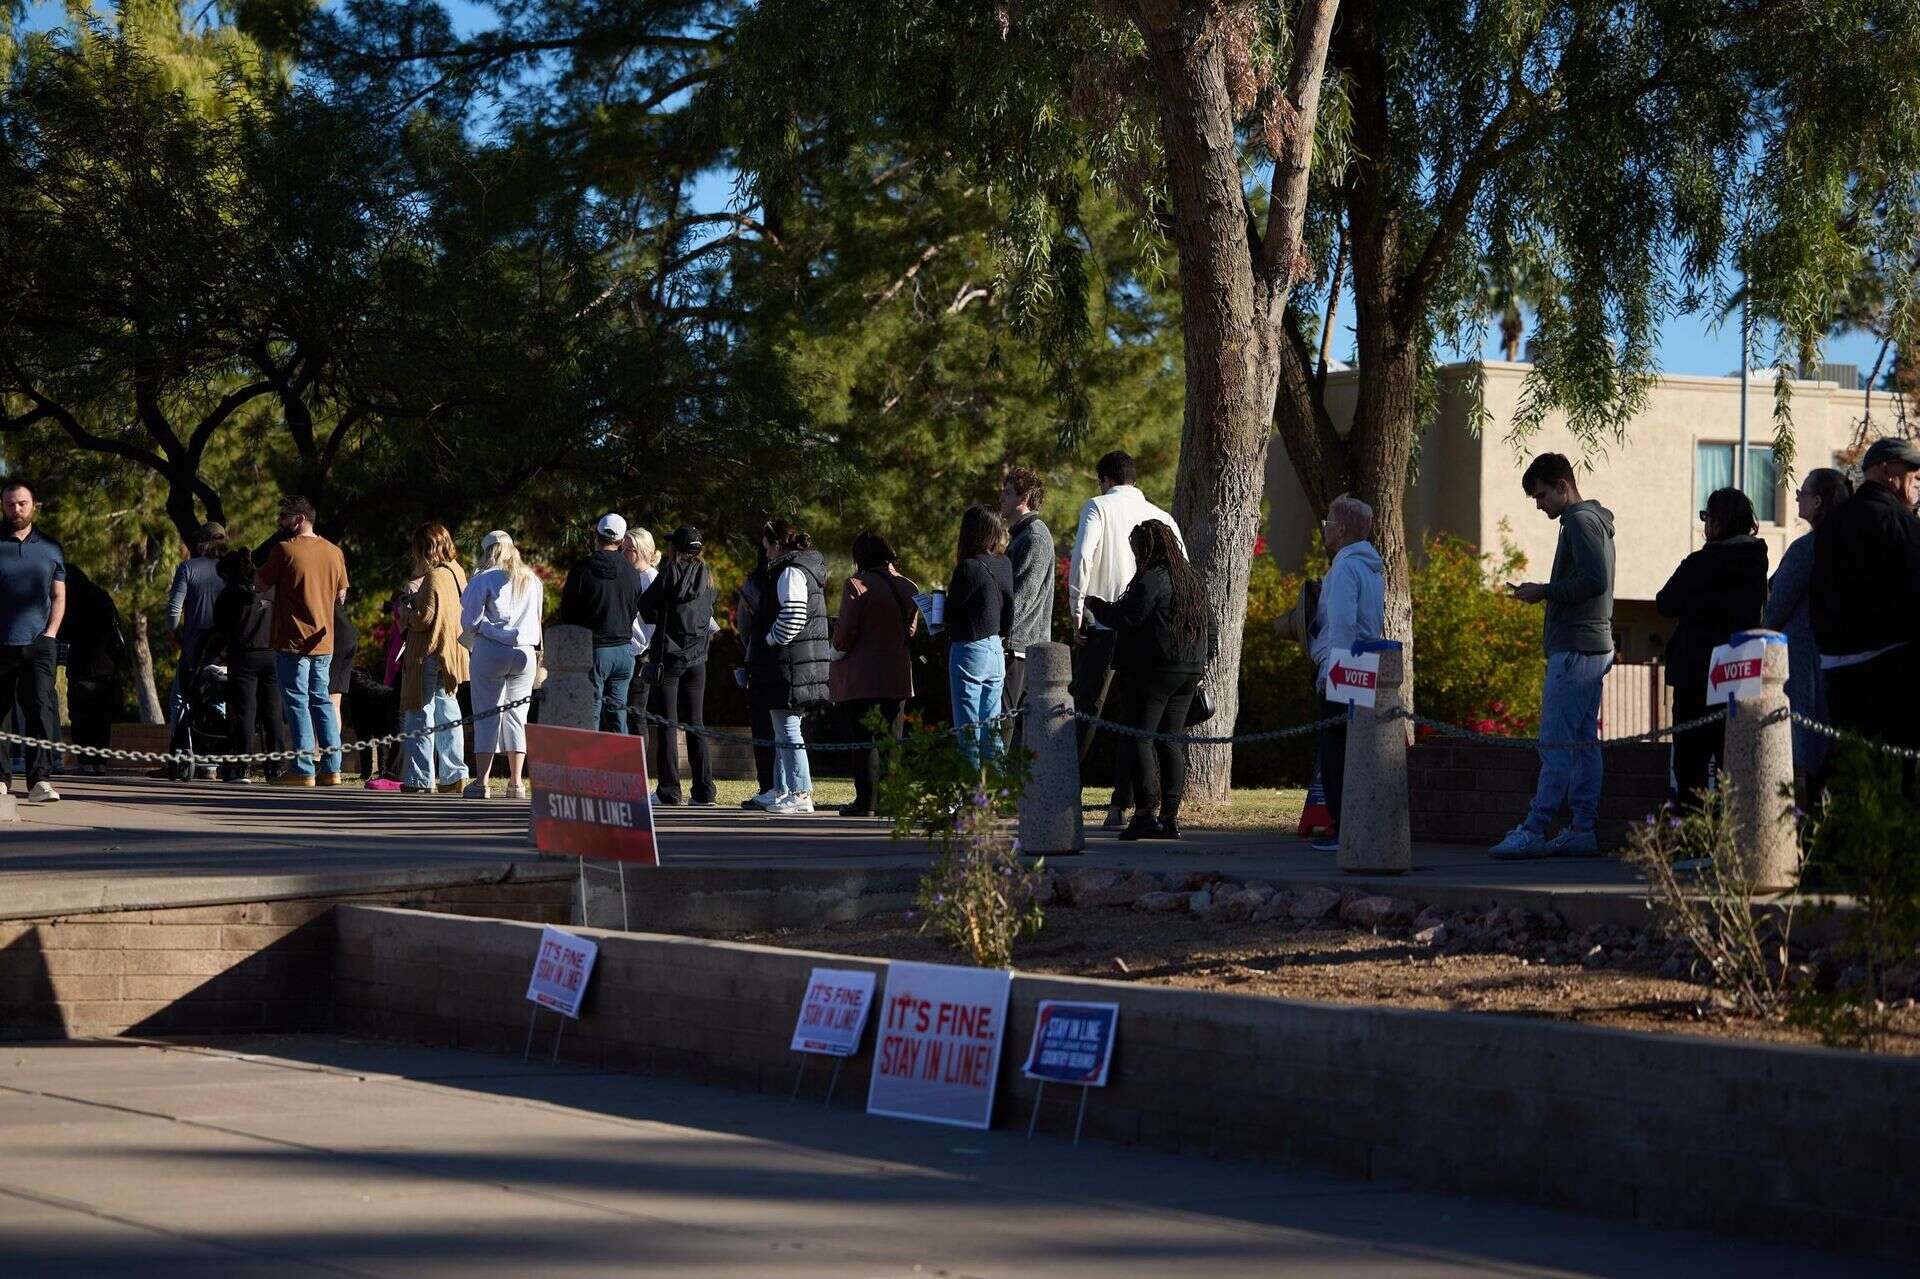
(1277, 906)
(1375, 912)
(1316, 904)
(1429, 917)
(1125, 892)
(1161, 903)
(1046, 888)
(1084, 885)
(1201, 902)
(1433, 935)
(1239, 907)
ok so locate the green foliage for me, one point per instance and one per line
(978, 895)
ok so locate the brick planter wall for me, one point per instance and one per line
(1468, 793)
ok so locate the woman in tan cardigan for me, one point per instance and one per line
(434, 667)
(873, 666)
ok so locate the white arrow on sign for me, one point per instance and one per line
(1353, 677)
(1734, 671)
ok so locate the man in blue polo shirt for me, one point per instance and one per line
(33, 601)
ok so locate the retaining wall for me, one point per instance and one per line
(1805, 1144)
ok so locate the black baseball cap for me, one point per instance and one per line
(685, 538)
(1892, 449)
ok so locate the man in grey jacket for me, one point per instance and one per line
(1578, 637)
(1030, 547)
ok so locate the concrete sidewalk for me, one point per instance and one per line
(318, 1155)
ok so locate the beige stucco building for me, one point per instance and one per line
(1678, 450)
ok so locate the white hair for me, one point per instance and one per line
(1351, 515)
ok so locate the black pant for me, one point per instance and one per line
(1696, 751)
(1093, 695)
(760, 728)
(639, 702)
(1333, 758)
(683, 696)
(1879, 700)
(93, 703)
(1013, 696)
(26, 686)
(1157, 701)
(253, 708)
(866, 764)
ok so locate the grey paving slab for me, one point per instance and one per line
(394, 1161)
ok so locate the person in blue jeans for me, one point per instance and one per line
(1578, 637)
(603, 594)
(434, 667)
(308, 576)
(979, 617)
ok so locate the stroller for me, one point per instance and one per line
(203, 721)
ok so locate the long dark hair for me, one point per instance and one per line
(1732, 510)
(872, 552)
(981, 533)
(786, 535)
(1155, 546)
(1828, 487)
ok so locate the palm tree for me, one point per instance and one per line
(1519, 279)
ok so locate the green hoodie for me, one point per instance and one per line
(1580, 595)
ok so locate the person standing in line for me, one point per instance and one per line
(679, 605)
(1788, 612)
(500, 625)
(346, 642)
(873, 658)
(196, 584)
(1102, 564)
(787, 656)
(308, 577)
(33, 604)
(979, 617)
(1030, 551)
(98, 665)
(1164, 638)
(746, 604)
(435, 666)
(1717, 590)
(1577, 635)
(602, 593)
(1352, 607)
(1865, 599)
(243, 629)
(639, 548)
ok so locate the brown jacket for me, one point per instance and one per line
(877, 614)
(432, 616)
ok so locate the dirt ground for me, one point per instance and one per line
(1335, 964)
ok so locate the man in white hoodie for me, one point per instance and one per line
(1353, 601)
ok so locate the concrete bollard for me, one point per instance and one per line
(1759, 764)
(1374, 834)
(1050, 823)
(566, 699)
(9, 806)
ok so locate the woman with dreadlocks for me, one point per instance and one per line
(1164, 642)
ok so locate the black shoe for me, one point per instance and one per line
(703, 803)
(1141, 827)
(1165, 828)
(661, 801)
(857, 810)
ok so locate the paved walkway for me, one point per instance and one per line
(297, 1156)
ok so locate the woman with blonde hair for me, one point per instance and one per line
(434, 667)
(638, 546)
(500, 625)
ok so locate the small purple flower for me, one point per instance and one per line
(1674, 822)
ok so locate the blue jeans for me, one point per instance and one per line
(791, 773)
(976, 670)
(439, 759)
(612, 674)
(308, 710)
(1570, 712)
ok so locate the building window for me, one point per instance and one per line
(1713, 469)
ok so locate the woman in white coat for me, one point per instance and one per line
(500, 623)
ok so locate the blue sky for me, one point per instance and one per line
(1687, 344)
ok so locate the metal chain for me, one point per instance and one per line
(258, 757)
(1457, 733)
(1848, 735)
(1243, 739)
(723, 735)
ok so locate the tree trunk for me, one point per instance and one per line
(146, 694)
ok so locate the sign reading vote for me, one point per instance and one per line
(834, 1012)
(590, 794)
(560, 972)
(939, 1050)
(1073, 1043)
(1353, 677)
(1734, 670)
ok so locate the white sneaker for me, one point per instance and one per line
(517, 792)
(765, 799)
(788, 805)
(1520, 844)
(44, 793)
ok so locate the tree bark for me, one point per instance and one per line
(146, 694)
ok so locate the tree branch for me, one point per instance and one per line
(927, 255)
(1487, 155)
(1293, 167)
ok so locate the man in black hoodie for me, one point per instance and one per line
(1865, 598)
(603, 594)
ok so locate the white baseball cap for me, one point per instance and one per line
(611, 527)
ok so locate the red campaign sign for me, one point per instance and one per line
(590, 794)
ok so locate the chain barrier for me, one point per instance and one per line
(744, 739)
(1193, 739)
(1847, 735)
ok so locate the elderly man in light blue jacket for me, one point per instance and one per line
(1353, 601)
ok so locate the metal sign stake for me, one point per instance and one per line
(1082, 1121)
(1039, 1095)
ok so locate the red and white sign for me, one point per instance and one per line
(938, 1055)
(590, 794)
(1734, 671)
(1353, 677)
(560, 972)
(834, 1012)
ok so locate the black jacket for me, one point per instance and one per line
(1146, 641)
(980, 599)
(603, 594)
(791, 676)
(1719, 589)
(242, 620)
(1865, 593)
(679, 605)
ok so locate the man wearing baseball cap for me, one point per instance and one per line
(603, 594)
(1865, 599)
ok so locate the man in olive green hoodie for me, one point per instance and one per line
(1578, 637)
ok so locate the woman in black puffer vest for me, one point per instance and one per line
(787, 655)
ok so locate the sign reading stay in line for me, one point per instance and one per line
(938, 1055)
(590, 794)
(560, 972)
(834, 1012)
